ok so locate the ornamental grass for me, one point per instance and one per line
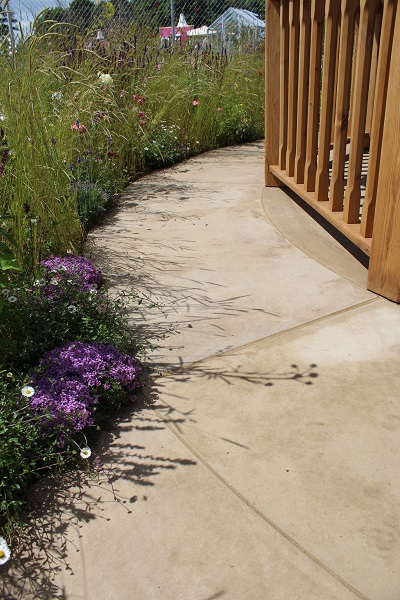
(81, 120)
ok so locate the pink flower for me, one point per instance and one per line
(195, 102)
(219, 109)
(138, 99)
(79, 127)
(142, 122)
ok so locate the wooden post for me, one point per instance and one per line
(352, 196)
(328, 81)
(272, 87)
(304, 73)
(342, 105)
(317, 22)
(384, 269)
(385, 50)
(374, 66)
(284, 79)
(292, 86)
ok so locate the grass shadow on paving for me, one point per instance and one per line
(163, 400)
(166, 308)
(60, 505)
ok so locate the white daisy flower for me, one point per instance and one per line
(53, 281)
(5, 551)
(72, 308)
(27, 391)
(85, 452)
(12, 298)
(105, 78)
(5, 292)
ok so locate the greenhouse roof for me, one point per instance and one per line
(237, 16)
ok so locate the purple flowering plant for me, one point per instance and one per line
(68, 302)
(78, 269)
(80, 384)
(69, 368)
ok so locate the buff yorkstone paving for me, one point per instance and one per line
(196, 238)
(266, 466)
(186, 535)
(305, 425)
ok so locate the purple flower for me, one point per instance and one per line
(76, 268)
(69, 379)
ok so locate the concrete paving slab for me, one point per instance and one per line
(302, 230)
(204, 250)
(305, 425)
(176, 531)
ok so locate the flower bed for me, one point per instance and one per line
(85, 371)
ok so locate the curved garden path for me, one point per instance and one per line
(265, 465)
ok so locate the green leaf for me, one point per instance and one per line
(7, 259)
(8, 237)
(4, 314)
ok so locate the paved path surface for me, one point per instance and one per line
(267, 466)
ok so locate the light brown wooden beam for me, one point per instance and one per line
(272, 76)
(384, 271)
(352, 232)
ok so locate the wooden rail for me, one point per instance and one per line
(333, 119)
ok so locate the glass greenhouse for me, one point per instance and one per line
(236, 26)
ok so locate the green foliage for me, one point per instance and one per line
(39, 322)
(92, 203)
(22, 451)
(164, 146)
(7, 259)
(7, 263)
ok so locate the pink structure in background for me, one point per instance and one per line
(181, 30)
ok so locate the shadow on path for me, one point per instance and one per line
(60, 505)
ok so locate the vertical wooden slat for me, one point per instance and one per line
(353, 195)
(317, 20)
(284, 72)
(302, 99)
(384, 268)
(368, 211)
(355, 51)
(272, 54)
(328, 80)
(336, 192)
(292, 87)
(336, 77)
(374, 66)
